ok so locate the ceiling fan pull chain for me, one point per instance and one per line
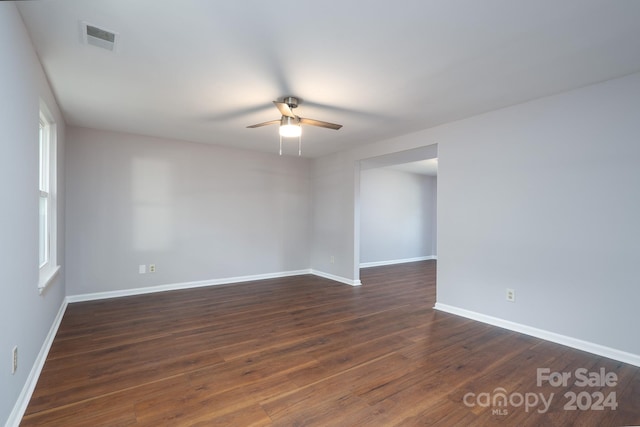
(281, 145)
(299, 145)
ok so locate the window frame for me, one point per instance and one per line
(47, 191)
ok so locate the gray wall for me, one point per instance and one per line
(544, 198)
(197, 211)
(397, 215)
(334, 216)
(540, 197)
(25, 316)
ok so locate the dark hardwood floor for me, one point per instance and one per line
(308, 351)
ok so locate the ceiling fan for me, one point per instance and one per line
(290, 124)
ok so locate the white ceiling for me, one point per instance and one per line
(202, 70)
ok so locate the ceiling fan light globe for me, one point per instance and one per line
(290, 131)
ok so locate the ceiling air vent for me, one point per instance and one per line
(99, 37)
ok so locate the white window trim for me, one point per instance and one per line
(49, 270)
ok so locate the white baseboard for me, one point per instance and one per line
(27, 390)
(333, 277)
(396, 261)
(184, 285)
(202, 283)
(600, 350)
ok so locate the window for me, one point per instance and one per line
(47, 203)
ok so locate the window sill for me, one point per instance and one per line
(46, 278)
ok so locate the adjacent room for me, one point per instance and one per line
(274, 214)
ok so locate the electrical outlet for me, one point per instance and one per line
(332, 259)
(511, 295)
(152, 268)
(14, 360)
(142, 269)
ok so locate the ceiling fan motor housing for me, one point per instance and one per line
(291, 101)
(294, 121)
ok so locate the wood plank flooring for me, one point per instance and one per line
(307, 351)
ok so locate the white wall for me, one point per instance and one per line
(540, 197)
(397, 215)
(544, 198)
(197, 211)
(334, 212)
(25, 316)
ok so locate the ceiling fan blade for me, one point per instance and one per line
(319, 123)
(285, 110)
(270, 122)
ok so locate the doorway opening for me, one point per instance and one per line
(396, 208)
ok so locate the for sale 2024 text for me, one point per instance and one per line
(582, 377)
